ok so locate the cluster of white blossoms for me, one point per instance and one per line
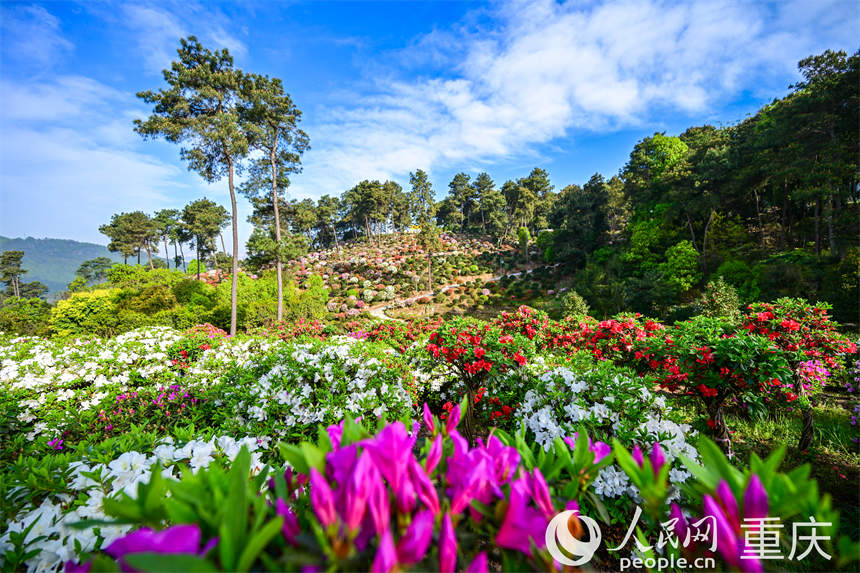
(53, 519)
(620, 406)
(314, 383)
(79, 375)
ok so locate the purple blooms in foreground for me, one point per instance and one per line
(376, 494)
(183, 538)
(723, 511)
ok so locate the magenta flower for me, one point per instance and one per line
(176, 539)
(391, 451)
(413, 546)
(358, 490)
(521, 521)
(291, 523)
(657, 458)
(679, 525)
(335, 432)
(428, 419)
(72, 567)
(755, 499)
(637, 455)
(405, 497)
(322, 499)
(505, 459)
(434, 455)
(540, 491)
(378, 504)
(447, 546)
(730, 505)
(423, 486)
(599, 449)
(478, 564)
(386, 555)
(453, 419)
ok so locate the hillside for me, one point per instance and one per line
(54, 261)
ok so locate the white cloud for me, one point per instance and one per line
(545, 70)
(157, 31)
(30, 35)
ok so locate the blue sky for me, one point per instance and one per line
(385, 87)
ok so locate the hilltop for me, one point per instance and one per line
(53, 262)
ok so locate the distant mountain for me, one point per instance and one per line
(53, 262)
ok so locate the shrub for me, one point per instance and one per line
(682, 265)
(193, 267)
(720, 300)
(90, 313)
(25, 316)
(574, 305)
(476, 351)
(709, 363)
(193, 292)
(150, 300)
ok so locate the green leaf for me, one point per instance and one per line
(314, 456)
(234, 521)
(294, 456)
(258, 542)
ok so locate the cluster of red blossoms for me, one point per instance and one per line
(796, 326)
(614, 339)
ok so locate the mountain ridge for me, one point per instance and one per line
(53, 262)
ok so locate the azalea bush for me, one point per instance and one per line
(475, 352)
(190, 347)
(705, 360)
(291, 390)
(811, 342)
(609, 403)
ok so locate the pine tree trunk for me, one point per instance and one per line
(198, 258)
(334, 234)
(234, 283)
(278, 263)
(149, 256)
(166, 252)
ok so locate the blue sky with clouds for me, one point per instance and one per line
(386, 88)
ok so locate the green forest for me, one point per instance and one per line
(768, 205)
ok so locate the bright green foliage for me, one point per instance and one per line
(150, 300)
(25, 316)
(196, 267)
(682, 265)
(574, 305)
(86, 313)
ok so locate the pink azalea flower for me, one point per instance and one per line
(447, 546)
(413, 546)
